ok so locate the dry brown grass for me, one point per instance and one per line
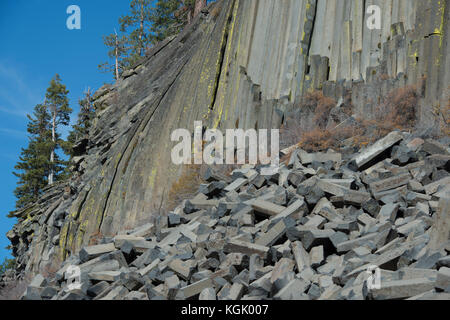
(320, 105)
(191, 177)
(400, 108)
(397, 112)
(186, 186)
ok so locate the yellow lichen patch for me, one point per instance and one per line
(62, 241)
(81, 232)
(151, 179)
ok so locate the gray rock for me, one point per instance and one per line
(208, 294)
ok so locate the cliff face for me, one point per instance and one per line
(245, 66)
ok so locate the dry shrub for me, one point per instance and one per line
(313, 103)
(317, 140)
(186, 186)
(399, 109)
(397, 112)
(322, 140)
(320, 105)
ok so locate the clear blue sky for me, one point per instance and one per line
(35, 45)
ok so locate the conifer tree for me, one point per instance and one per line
(168, 18)
(39, 164)
(137, 24)
(118, 51)
(34, 161)
(58, 104)
(8, 264)
(81, 128)
(148, 23)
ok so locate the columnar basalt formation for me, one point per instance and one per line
(246, 67)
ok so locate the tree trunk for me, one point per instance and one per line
(52, 154)
(141, 33)
(199, 5)
(117, 56)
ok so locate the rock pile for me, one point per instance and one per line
(315, 230)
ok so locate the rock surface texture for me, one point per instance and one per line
(247, 67)
(317, 238)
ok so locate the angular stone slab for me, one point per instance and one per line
(194, 289)
(143, 231)
(365, 156)
(267, 208)
(440, 231)
(432, 188)
(315, 237)
(149, 268)
(317, 256)
(326, 209)
(119, 240)
(236, 184)
(246, 248)
(302, 259)
(402, 289)
(355, 243)
(109, 276)
(294, 290)
(182, 268)
(295, 211)
(269, 238)
(89, 253)
(208, 294)
(443, 279)
(390, 183)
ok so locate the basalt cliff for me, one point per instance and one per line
(240, 64)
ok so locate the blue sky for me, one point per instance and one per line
(35, 45)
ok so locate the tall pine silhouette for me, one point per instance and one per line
(34, 162)
(39, 163)
(58, 104)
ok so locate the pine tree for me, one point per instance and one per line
(8, 264)
(118, 51)
(39, 164)
(168, 18)
(139, 21)
(58, 104)
(34, 161)
(147, 24)
(83, 124)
